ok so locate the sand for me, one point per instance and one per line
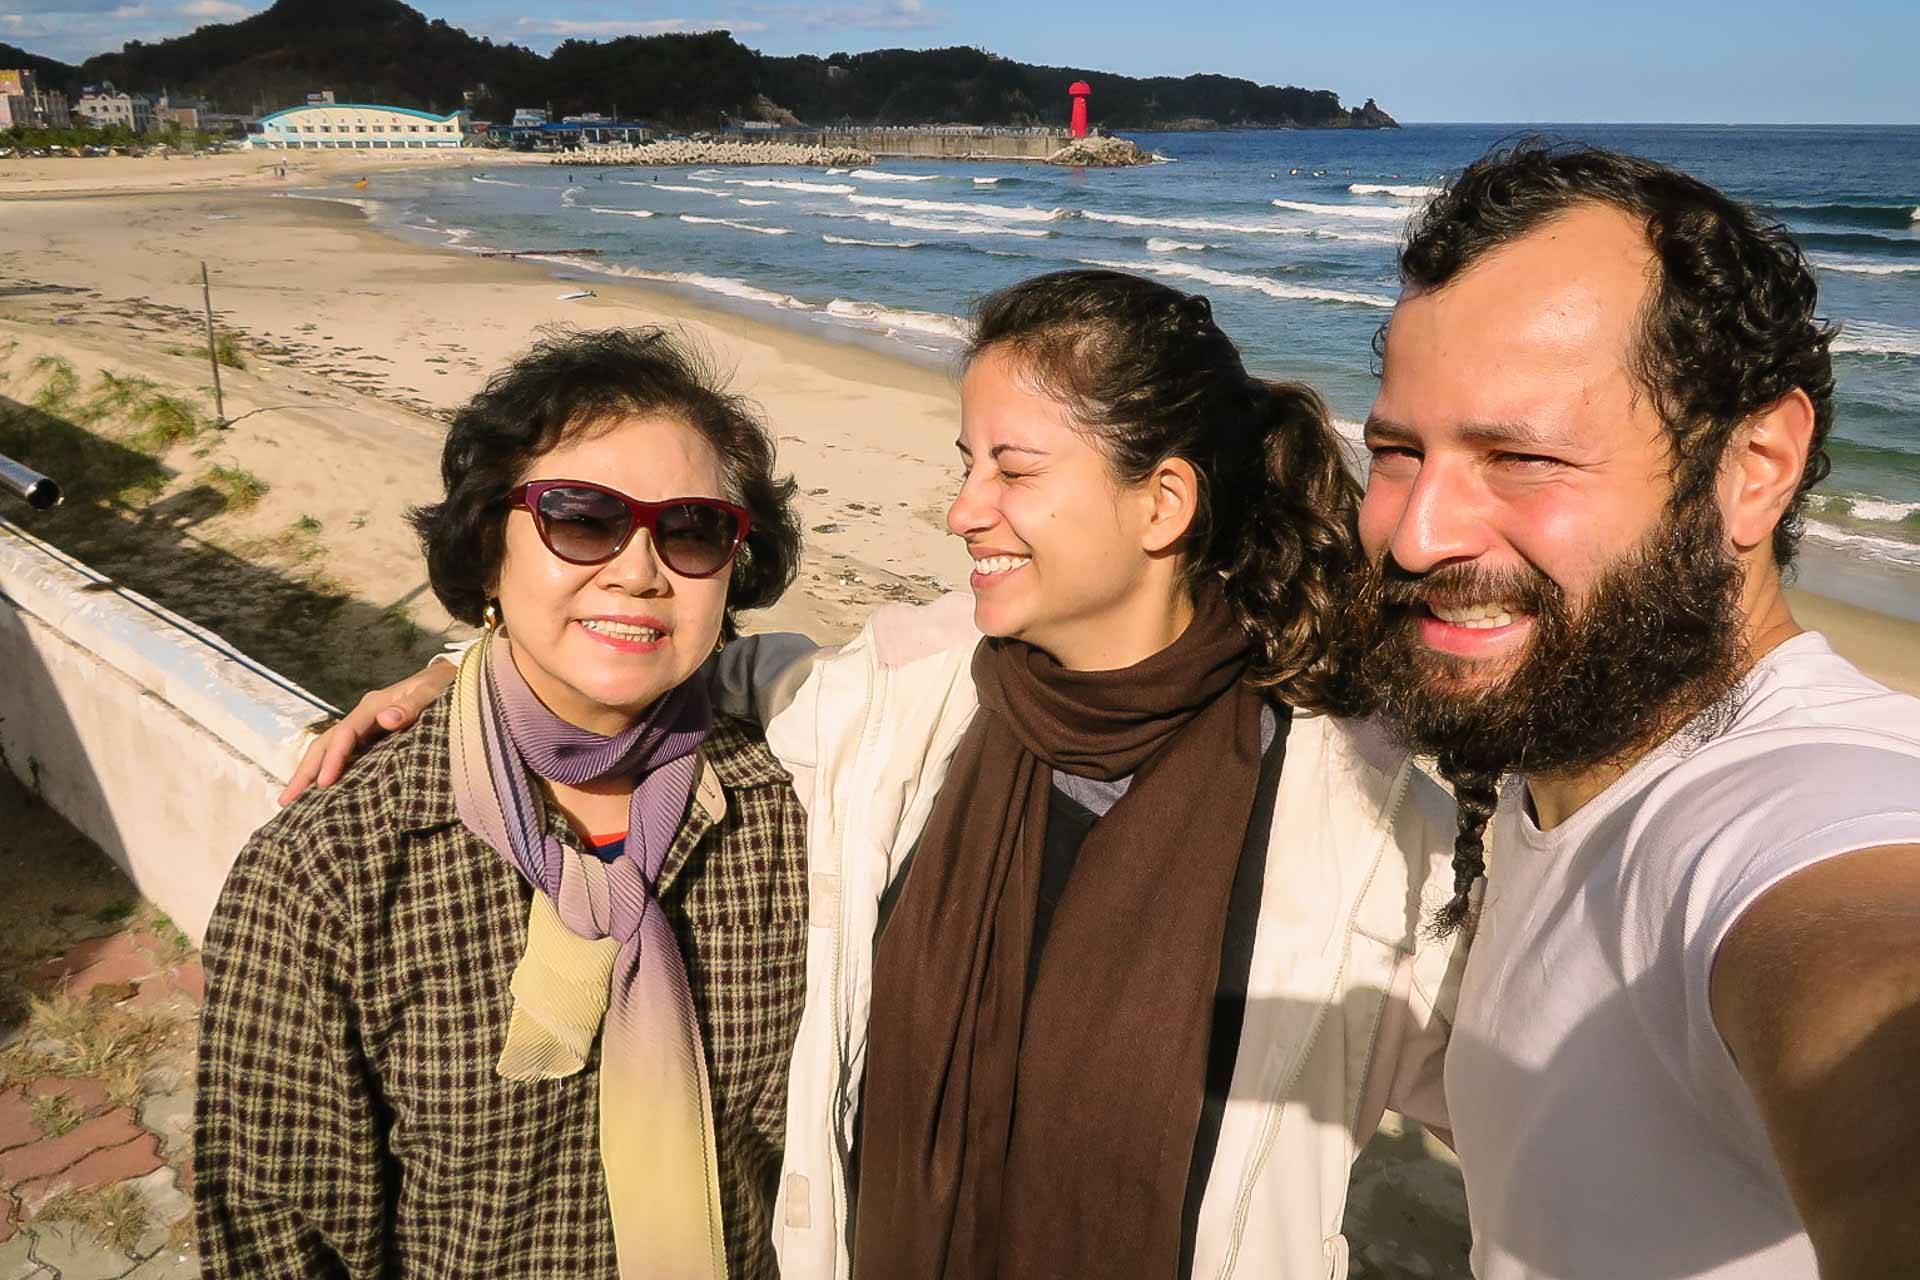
(358, 345)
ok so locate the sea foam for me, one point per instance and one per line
(1408, 192)
(874, 175)
(874, 315)
(1244, 228)
(1012, 213)
(1862, 266)
(875, 244)
(737, 226)
(1866, 337)
(664, 186)
(1234, 280)
(1369, 212)
(952, 226)
(817, 188)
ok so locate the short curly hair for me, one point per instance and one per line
(576, 383)
(1730, 327)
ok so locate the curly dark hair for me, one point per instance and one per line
(1144, 368)
(1728, 329)
(573, 384)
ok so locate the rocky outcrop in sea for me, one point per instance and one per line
(1100, 153)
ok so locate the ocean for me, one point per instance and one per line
(1290, 234)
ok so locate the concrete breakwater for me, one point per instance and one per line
(716, 153)
(952, 142)
(841, 148)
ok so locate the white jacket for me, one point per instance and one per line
(1347, 1003)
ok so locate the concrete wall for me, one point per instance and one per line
(951, 144)
(158, 740)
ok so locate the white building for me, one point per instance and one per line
(103, 106)
(347, 125)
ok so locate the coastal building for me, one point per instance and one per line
(104, 106)
(572, 132)
(528, 117)
(332, 125)
(25, 105)
(183, 113)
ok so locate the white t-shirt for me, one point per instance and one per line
(1602, 1127)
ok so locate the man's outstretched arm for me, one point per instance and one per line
(1816, 990)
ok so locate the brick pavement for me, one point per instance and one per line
(99, 999)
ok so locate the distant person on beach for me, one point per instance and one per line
(1113, 968)
(1689, 1026)
(517, 998)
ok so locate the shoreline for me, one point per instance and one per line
(867, 427)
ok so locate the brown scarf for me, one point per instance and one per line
(1051, 1135)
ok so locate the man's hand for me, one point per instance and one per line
(378, 714)
(1817, 992)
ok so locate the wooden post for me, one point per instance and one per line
(213, 356)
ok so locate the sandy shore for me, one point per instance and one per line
(358, 344)
(228, 170)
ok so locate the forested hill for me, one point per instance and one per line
(383, 51)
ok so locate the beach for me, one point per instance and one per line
(358, 344)
(356, 348)
(285, 529)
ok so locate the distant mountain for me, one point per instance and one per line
(364, 50)
(51, 74)
(384, 51)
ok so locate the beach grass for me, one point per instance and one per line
(241, 488)
(115, 1216)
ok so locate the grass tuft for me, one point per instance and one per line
(69, 1037)
(241, 488)
(55, 1114)
(114, 1216)
(166, 420)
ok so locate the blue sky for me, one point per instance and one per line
(1501, 60)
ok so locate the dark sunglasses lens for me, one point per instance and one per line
(695, 539)
(583, 525)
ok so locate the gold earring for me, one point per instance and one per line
(490, 616)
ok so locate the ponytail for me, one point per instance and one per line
(1286, 567)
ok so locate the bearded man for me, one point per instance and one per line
(1688, 1028)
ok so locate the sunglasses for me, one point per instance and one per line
(586, 523)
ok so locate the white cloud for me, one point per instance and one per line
(568, 28)
(75, 30)
(885, 15)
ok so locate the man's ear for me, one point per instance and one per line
(1761, 473)
(1172, 492)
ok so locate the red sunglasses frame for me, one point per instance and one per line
(643, 515)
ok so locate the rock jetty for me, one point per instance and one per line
(715, 153)
(1100, 153)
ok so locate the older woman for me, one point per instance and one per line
(517, 998)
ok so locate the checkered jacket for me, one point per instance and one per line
(349, 1121)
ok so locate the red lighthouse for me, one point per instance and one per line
(1079, 89)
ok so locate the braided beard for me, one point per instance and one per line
(1657, 642)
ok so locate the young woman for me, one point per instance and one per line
(517, 998)
(1116, 953)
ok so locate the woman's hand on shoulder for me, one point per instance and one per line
(378, 714)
